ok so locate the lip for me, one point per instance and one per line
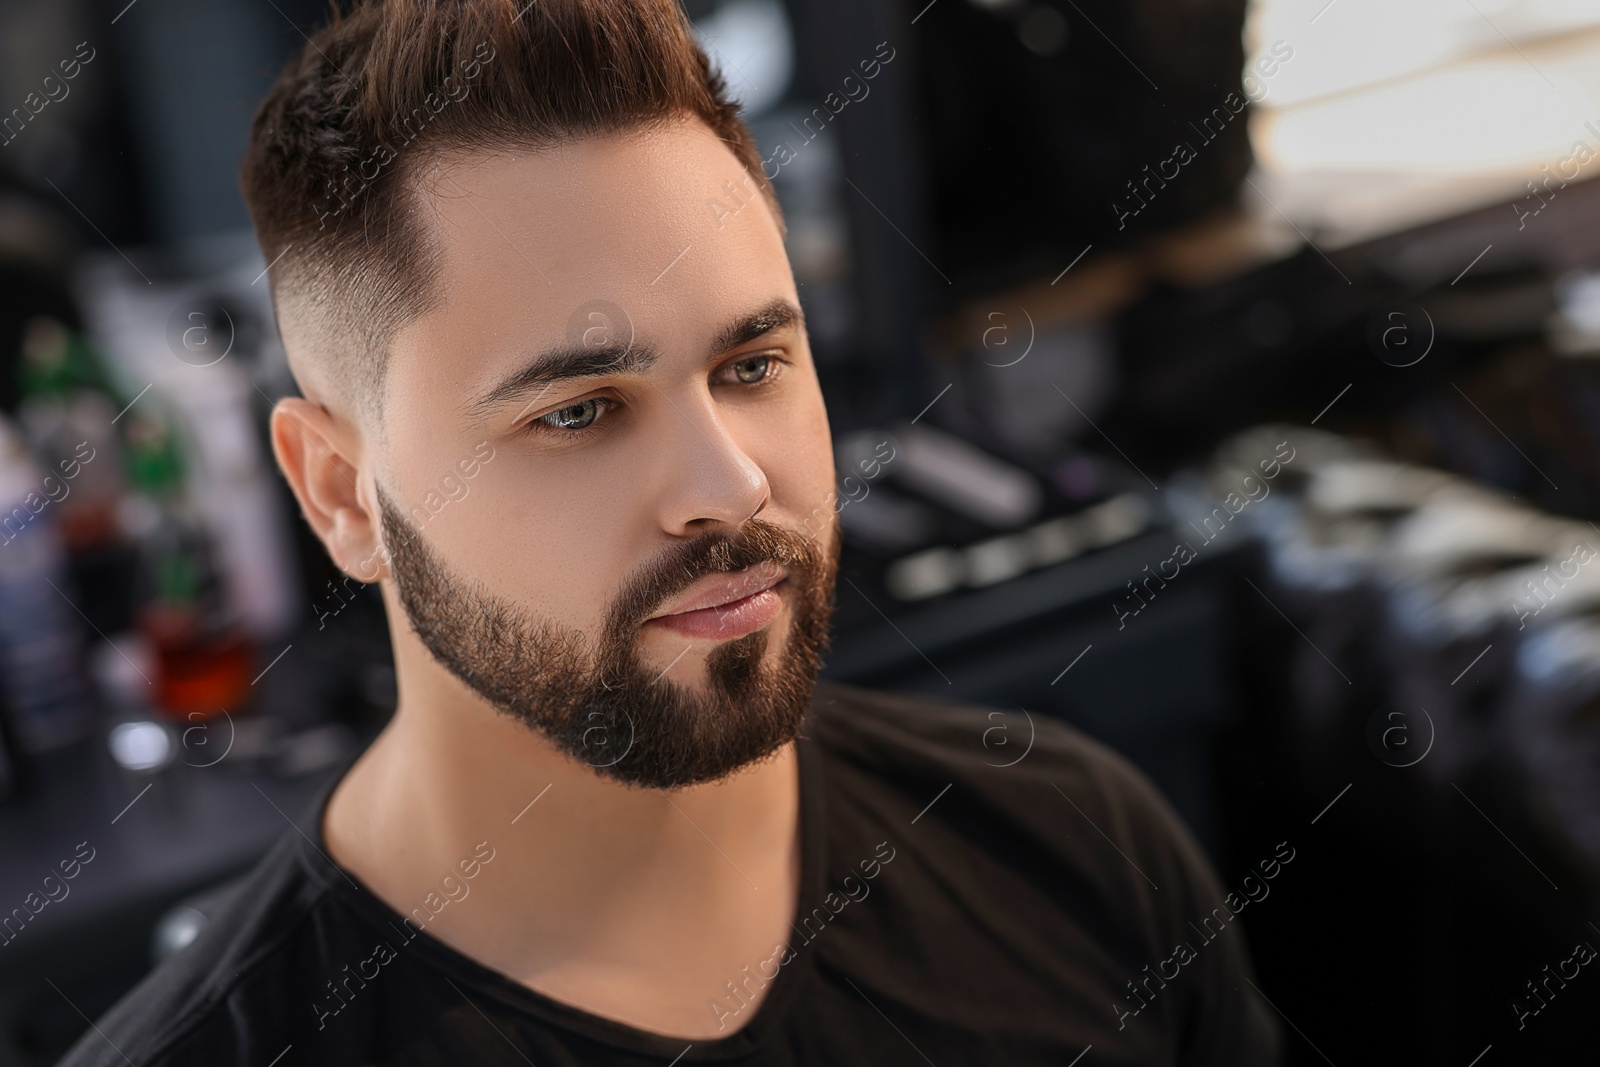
(724, 588)
(724, 606)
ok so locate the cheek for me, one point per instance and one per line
(797, 456)
(554, 538)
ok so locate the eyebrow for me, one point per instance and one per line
(571, 361)
(777, 315)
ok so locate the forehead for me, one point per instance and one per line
(659, 229)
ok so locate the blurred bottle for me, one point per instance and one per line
(41, 636)
(69, 410)
(202, 655)
(231, 477)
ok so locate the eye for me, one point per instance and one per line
(752, 370)
(577, 416)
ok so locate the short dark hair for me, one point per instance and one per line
(394, 84)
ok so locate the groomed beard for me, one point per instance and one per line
(604, 705)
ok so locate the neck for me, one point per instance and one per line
(583, 868)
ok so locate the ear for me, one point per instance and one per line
(319, 453)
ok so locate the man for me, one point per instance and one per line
(563, 410)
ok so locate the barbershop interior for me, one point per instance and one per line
(1219, 377)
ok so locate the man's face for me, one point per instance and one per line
(642, 568)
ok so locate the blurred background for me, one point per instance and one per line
(1217, 376)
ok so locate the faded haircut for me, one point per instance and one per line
(388, 88)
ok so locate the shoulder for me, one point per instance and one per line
(1014, 805)
(188, 1010)
(1027, 788)
(1011, 754)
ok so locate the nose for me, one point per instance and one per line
(710, 479)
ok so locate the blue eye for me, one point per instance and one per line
(574, 416)
(752, 370)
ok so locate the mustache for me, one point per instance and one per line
(648, 586)
(757, 541)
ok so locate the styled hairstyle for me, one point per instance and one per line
(382, 92)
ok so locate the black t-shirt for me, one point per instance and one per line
(954, 910)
